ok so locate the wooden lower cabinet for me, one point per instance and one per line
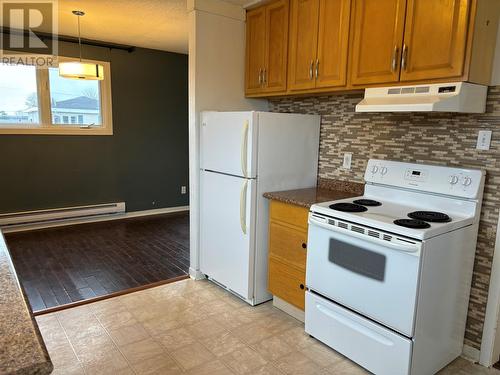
(287, 252)
(287, 282)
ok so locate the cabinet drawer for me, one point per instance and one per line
(287, 282)
(290, 214)
(288, 244)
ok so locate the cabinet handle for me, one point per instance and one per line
(260, 77)
(264, 76)
(404, 63)
(317, 68)
(302, 286)
(304, 245)
(311, 70)
(395, 54)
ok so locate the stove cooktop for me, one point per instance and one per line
(430, 216)
(394, 217)
(412, 223)
(348, 207)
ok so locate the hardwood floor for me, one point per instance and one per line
(64, 265)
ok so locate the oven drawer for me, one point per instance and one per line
(371, 345)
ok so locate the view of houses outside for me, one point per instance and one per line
(73, 102)
(17, 94)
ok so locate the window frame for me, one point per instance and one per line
(46, 125)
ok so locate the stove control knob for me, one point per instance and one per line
(374, 169)
(383, 171)
(467, 181)
(453, 180)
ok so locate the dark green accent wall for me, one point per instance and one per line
(143, 164)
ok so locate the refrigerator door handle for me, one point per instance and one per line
(243, 207)
(244, 147)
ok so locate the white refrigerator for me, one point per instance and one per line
(243, 155)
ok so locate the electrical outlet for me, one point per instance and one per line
(183, 190)
(483, 140)
(347, 160)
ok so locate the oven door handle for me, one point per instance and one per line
(400, 247)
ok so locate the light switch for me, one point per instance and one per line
(347, 160)
(483, 140)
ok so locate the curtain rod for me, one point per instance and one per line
(68, 39)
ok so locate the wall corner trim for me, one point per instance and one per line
(470, 353)
(196, 274)
(218, 7)
(490, 341)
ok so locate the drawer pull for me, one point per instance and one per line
(302, 286)
(304, 245)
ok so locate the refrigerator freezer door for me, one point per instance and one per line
(228, 143)
(227, 231)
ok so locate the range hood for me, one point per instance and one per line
(460, 97)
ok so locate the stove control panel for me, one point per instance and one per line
(465, 183)
(414, 174)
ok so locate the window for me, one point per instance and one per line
(39, 101)
(76, 99)
(18, 97)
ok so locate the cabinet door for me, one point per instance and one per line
(333, 38)
(276, 46)
(255, 50)
(435, 39)
(288, 244)
(303, 44)
(287, 282)
(377, 39)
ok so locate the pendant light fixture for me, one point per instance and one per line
(79, 69)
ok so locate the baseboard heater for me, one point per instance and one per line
(49, 216)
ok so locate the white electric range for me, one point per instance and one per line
(389, 273)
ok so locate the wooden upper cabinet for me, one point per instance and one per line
(435, 39)
(333, 40)
(255, 50)
(376, 40)
(304, 18)
(313, 46)
(275, 67)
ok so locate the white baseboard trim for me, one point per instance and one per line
(127, 215)
(196, 274)
(289, 309)
(470, 353)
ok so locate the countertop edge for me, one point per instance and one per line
(42, 367)
(324, 192)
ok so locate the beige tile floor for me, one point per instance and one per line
(194, 328)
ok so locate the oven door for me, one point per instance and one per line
(376, 278)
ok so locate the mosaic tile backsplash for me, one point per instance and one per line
(432, 138)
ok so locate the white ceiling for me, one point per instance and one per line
(157, 24)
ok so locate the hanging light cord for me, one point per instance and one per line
(79, 38)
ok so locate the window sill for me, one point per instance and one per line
(57, 131)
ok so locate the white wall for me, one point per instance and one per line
(216, 82)
(495, 79)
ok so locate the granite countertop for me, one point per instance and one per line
(327, 190)
(22, 350)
